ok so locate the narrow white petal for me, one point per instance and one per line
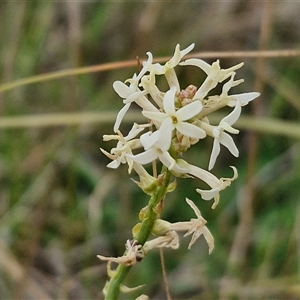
(134, 96)
(114, 164)
(194, 207)
(197, 63)
(208, 194)
(243, 98)
(145, 157)
(165, 134)
(155, 116)
(120, 116)
(209, 239)
(233, 116)
(232, 69)
(214, 153)
(122, 89)
(189, 111)
(228, 128)
(190, 130)
(173, 62)
(227, 141)
(146, 66)
(195, 236)
(148, 139)
(134, 131)
(187, 50)
(228, 85)
(204, 175)
(167, 159)
(169, 101)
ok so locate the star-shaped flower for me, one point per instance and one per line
(185, 168)
(172, 119)
(124, 147)
(169, 240)
(132, 93)
(155, 148)
(195, 226)
(158, 69)
(168, 68)
(214, 193)
(214, 74)
(134, 252)
(231, 100)
(220, 136)
(148, 84)
(216, 184)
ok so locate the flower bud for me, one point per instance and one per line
(160, 227)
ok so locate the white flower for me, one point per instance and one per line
(122, 89)
(148, 84)
(185, 168)
(168, 68)
(174, 61)
(124, 147)
(223, 98)
(130, 96)
(132, 93)
(169, 240)
(134, 252)
(216, 184)
(231, 100)
(221, 137)
(195, 226)
(155, 148)
(214, 192)
(171, 119)
(214, 74)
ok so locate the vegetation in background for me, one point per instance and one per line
(60, 206)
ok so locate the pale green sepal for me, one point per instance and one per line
(146, 186)
(126, 289)
(160, 227)
(172, 186)
(136, 229)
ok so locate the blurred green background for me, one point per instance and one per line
(60, 206)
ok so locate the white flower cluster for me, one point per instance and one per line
(178, 118)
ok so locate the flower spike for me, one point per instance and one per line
(178, 118)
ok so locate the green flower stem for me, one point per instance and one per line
(152, 213)
(113, 286)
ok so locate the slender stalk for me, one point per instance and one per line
(115, 282)
(163, 268)
(131, 63)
